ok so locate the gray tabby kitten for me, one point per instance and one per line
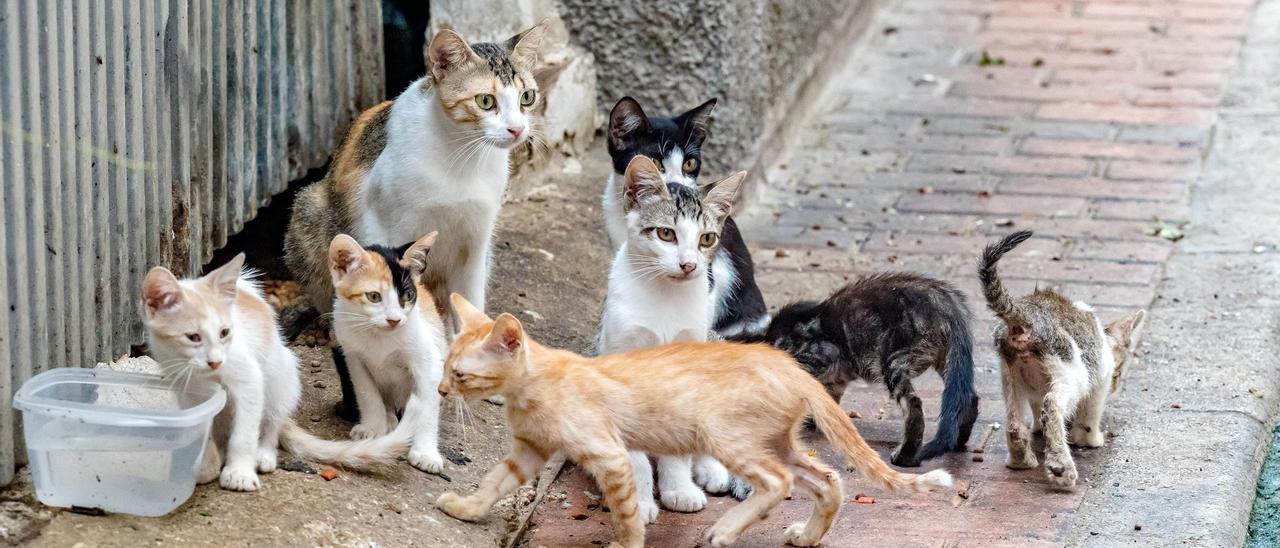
(1056, 357)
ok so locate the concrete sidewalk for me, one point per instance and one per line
(960, 120)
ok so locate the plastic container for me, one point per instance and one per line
(114, 440)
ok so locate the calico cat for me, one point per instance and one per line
(392, 335)
(740, 403)
(676, 145)
(220, 327)
(435, 158)
(892, 327)
(658, 294)
(1057, 358)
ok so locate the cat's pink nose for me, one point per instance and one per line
(515, 131)
(215, 365)
(687, 267)
(393, 323)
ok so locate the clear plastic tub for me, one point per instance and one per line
(114, 440)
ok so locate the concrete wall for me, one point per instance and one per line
(754, 55)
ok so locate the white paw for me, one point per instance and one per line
(1060, 469)
(364, 431)
(1026, 463)
(648, 510)
(238, 479)
(795, 535)
(267, 460)
(712, 476)
(684, 500)
(1086, 436)
(428, 461)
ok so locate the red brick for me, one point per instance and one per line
(921, 143)
(1152, 250)
(1046, 92)
(1192, 136)
(1158, 12)
(947, 244)
(1020, 128)
(1068, 59)
(1205, 46)
(1143, 211)
(1135, 170)
(935, 182)
(1125, 114)
(1093, 188)
(1004, 165)
(1171, 79)
(1163, 62)
(1080, 271)
(1068, 26)
(1235, 29)
(1173, 98)
(997, 204)
(949, 106)
(1108, 149)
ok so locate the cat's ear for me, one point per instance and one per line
(224, 279)
(524, 46)
(448, 51)
(1125, 330)
(346, 255)
(468, 315)
(415, 257)
(507, 335)
(721, 195)
(160, 290)
(642, 182)
(696, 121)
(626, 120)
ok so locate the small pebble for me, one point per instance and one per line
(329, 473)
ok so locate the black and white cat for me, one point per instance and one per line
(675, 144)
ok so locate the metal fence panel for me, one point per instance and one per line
(143, 132)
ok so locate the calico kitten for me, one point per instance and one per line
(1057, 358)
(892, 327)
(220, 327)
(392, 335)
(658, 294)
(676, 145)
(593, 410)
(435, 158)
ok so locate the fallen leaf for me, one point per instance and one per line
(987, 60)
(578, 516)
(812, 452)
(1169, 231)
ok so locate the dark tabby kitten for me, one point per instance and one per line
(893, 327)
(675, 144)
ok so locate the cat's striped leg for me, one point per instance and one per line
(643, 473)
(521, 464)
(1017, 431)
(824, 486)
(771, 483)
(1058, 464)
(612, 471)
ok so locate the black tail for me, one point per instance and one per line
(959, 402)
(998, 299)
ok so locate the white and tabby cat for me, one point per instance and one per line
(219, 326)
(658, 294)
(434, 159)
(393, 339)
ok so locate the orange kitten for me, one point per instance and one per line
(741, 404)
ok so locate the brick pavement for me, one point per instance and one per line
(1089, 120)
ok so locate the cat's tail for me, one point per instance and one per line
(837, 427)
(998, 299)
(355, 454)
(959, 402)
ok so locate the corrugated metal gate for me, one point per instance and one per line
(144, 132)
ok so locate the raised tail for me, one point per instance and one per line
(355, 454)
(998, 299)
(959, 402)
(837, 427)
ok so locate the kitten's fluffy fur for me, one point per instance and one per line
(676, 145)
(740, 403)
(433, 159)
(1057, 358)
(657, 295)
(219, 326)
(891, 327)
(392, 336)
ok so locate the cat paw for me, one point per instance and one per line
(267, 460)
(796, 536)
(720, 536)
(648, 510)
(741, 489)
(1026, 463)
(1060, 470)
(364, 431)
(428, 461)
(458, 507)
(684, 500)
(905, 461)
(712, 476)
(1084, 436)
(238, 479)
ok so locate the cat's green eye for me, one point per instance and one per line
(708, 239)
(528, 97)
(373, 297)
(666, 234)
(690, 165)
(193, 337)
(486, 101)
